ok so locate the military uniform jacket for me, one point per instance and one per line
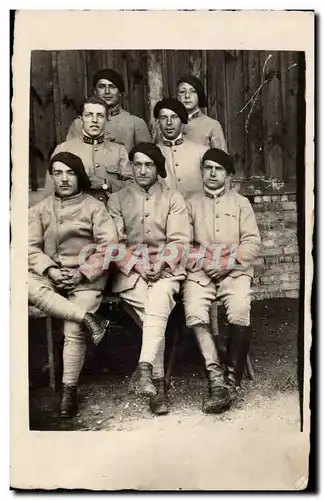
(59, 230)
(204, 130)
(183, 161)
(151, 218)
(200, 129)
(228, 219)
(121, 127)
(104, 162)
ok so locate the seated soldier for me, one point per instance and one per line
(60, 229)
(105, 162)
(221, 220)
(149, 216)
(120, 126)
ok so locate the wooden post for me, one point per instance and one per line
(56, 98)
(155, 84)
(50, 351)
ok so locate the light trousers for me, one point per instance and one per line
(153, 303)
(234, 293)
(43, 295)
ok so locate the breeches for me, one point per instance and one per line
(72, 310)
(153, 304)
(234, 293)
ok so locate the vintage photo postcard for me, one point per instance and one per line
(162, 215)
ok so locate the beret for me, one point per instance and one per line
(75, 163)
(111, 75)
(153, 152)
(174, 105)
(198, 86)
(219, 156)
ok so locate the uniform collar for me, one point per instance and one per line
(214, 193)
(115, 111)
(69, 199)
(91, 140)
(175, 142)
(151, 191)
(195, 114)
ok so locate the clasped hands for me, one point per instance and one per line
(154, 274)
(65, 278)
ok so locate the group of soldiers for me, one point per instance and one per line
(111, 185)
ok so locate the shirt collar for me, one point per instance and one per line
(114, 111)
(92, 140)
(175, 142)
(194, 115)
(214, 193)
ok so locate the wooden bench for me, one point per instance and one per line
(110, 300)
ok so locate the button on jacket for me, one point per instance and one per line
(121, 127)
(60, 229)
(227, 219)
(104, 162)
(183, 161)
(152, 218)
(204, 130)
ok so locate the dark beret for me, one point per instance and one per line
(219, 156)
(175, 105)
(111, 75)
(75, 163)
(198, 86)
(153, 152)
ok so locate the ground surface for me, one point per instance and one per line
(106, 404)
(268, 411)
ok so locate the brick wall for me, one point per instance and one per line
(277, 268)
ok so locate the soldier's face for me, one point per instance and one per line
(108, 91)
(144, 170)
(187, 94)
(214, 174)
(93, 119)
(170, 124)
(65, 180)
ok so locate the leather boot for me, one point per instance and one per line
(69, 405)
(141, 382)
(219, 398)
(96, 327)
(237, 350)
(159, 403)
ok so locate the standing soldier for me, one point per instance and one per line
(221, 217)
(183, 156)
(60, 284)
(121, 126)
(200, 128)
(150, 215)
(105, 162)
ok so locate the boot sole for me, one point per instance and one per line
(138, 392)
(217, 408)
(161, 412)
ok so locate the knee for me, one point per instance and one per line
(238, 313)
(161, 302)
(37, 293)
(196, 313)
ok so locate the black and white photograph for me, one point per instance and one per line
(166, 262)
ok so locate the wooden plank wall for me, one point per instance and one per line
(262, 140)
